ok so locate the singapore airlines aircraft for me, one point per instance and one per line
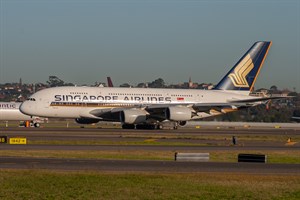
(152, 107)
(9, 111)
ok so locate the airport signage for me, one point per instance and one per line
(3, 139)
(17, 141)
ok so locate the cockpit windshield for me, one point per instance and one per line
(30, 99)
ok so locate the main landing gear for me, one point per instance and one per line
(171, 125)
(140, 126)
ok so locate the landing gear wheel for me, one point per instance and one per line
(36, 125)
(128, 126)
(146, 126)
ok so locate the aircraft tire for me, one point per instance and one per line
(36, 125)
(128, 126)
(147, 126)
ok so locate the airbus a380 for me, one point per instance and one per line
(151, 107)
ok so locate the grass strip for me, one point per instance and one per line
(109, 142)
(46, 184)
(286, 157)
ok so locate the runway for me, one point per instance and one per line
(112, 131)
(146, 148)
(191, 140)
(167, 140)
(146, 166)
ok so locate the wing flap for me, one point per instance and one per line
(259, 99)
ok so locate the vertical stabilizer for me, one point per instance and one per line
(109, 82)
(244, 73)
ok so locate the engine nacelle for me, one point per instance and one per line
(179, 113)
(86, 120)
(133, 116)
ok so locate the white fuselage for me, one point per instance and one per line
(9, 111)
(76, 102)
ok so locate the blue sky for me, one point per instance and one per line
(139, 41)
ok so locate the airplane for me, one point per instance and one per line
(9, 111)
(151, 108)
(109, 82)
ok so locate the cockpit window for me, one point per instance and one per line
(30, 99)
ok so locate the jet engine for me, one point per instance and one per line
(86, 120)
(133, 116)
(179, 113)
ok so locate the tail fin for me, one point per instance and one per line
(244, 73)
(109, 82)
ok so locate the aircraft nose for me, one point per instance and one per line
(25, 108)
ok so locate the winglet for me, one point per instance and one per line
(244, 73)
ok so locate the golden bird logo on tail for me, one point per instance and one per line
(238, 76)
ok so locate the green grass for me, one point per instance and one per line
(150, 139)
(195, 140)
(108, 142)
(37, 184)
(47, 184)
(88, 154)
(291, 157)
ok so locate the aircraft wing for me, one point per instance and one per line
(259, 99)
(157, 111)
(234, 104)
(206, 107)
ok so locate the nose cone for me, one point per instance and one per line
(26, 108)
